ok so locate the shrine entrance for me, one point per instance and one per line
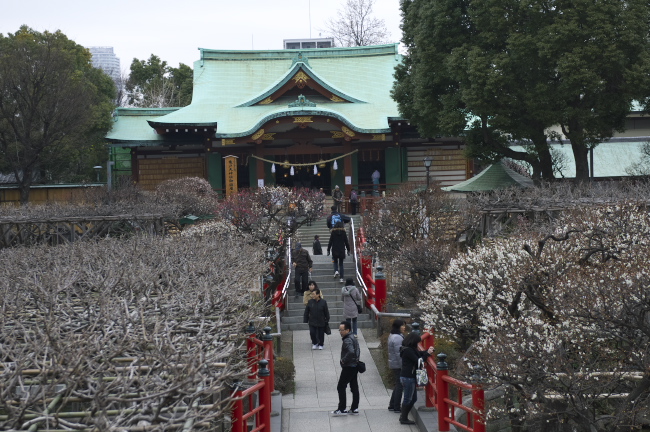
(304, 177)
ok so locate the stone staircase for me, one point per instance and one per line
(322, 274)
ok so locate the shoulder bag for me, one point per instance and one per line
(421, 377)
(361, 366)
(359, 309)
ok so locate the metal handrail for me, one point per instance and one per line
(362, 283)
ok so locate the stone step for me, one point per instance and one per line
(333, 318)
(303, 326)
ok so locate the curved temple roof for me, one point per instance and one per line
(235, 90)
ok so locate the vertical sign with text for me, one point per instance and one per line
(231, 175)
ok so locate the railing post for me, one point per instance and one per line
(442, 388)
(238, 411)
(380, 288)
(366, 267)
(431, 372)
(264, 416)
(478, 400)
(251, 350)
(267, 339)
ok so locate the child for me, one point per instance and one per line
(318, 250)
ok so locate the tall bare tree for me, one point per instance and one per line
(355, 25)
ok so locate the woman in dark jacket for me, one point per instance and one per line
(410, 355)
(317, 315)
(338, 244)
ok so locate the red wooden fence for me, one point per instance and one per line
(260, 362)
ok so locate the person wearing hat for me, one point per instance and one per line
(302, 264)
(337, 196)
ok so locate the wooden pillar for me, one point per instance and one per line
(347, 169)
(259, 167)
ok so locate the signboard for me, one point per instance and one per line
(231, 175)
(348, 179)
(260, 183)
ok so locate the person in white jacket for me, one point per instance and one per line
(350, 294)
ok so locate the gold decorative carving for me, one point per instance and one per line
(227, 141)
(335, 98)
(306, 119)
(266, 101)
(379, 137)
(347, 131)
(258, 134)
(301, 79)
(337, 134)
(268, 136)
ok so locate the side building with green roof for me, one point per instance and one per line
(300, 118)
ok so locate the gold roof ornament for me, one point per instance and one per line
(301, 79)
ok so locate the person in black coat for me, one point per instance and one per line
(337, 245)
(410, 355)
(317, 315)
(318, 249)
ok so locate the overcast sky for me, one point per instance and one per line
(173, 30)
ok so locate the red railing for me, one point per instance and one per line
(376, 286)
(438, 395)
(260, 363)
(279, 299)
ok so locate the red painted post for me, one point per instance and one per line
(264, 416)
(478, 400)
(251, 350)
(238, 413)
(267, 339)
(380, 288)
(366, 267)
(428, 341)
(443, 392)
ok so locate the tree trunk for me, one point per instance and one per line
(581, 156)
(24, 184)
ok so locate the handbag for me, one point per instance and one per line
(421, 377)
(361, 366)
(328, 330)
(359, 309)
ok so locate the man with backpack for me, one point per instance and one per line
(335, 217)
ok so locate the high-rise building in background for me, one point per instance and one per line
(105, 59)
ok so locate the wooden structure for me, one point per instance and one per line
(66, 230)
(311, 118)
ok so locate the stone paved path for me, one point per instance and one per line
(317, 374)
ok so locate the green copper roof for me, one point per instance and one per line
(494, 177)
(130, 124)
(313, 75)
(226, 83)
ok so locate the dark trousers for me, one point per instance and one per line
(302, 280)
(317, 335)
(353, 207)
(396, 396)
(338, 266)
(348, 376)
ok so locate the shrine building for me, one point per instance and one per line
(311, 118)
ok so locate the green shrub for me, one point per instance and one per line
(285, 373)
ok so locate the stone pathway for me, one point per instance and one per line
(317, 373)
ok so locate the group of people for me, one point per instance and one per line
(317, 313)
(403, 358)
(403, 353)
(337, 197)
